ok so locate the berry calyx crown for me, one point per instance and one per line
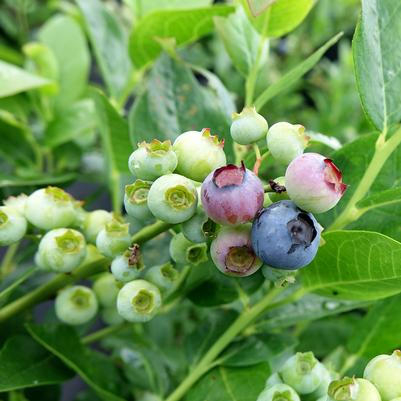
(179, 197)
(333, 176)
(69, 242)
(197, 253)
(229, 175)
(247, 111)
(143, 301)
(305, 361)
(117, 228)
(344, 390)
(3, 218)
(155, 147)
(169, 272)
(206, 133)
(137, 192)
(58, 194)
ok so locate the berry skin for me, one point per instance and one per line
(136, 200)
(173, 198)
(113, 239)
(163, 276)
(303, 372)
(61, 250)
(285, 237)
(49, 208)
(198, 154)
(17, 202)
(94, 222)
(384, 371)
(13, 225)
(232, 252)
(152, 160)
(314, 183)
(286, 141)
(248, 126)
(128, 266)
(352, 389)
(278, 392)
(199, 228)
(183, 251)
(110, 316)
(232, 195)
(106, 289)
(76, 305)
(138, 301)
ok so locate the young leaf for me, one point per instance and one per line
(109, 43)
(377, 57)
(355, 265)
(15, 80)
(24, 363)
(184, 26)
(94, 368)
(291, 77)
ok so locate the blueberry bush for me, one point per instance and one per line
(201, 200)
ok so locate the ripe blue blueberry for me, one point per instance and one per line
(248, 126)
(13, 225)
(284, 236)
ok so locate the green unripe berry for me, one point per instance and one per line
(163, 276)
(183, 251)
(278, 392)
(173, 198)
(352, 389)
(303, 372)
(128, 266)
(323, 398)
(94, 222)
(273, 379)
(199, 227)
(198, 153)
(286, 141)
(326, 378)
(110, 316)
(13, 225)
(49, 208)
(17, 202)
(152, 160)
(384, 371)
(113, 239)
(61, 250)
(138, 301)
(248, 126)
(106, 289)
(136, 200)
(76, 305)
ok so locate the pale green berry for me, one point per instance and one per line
(277, 190)
(50, 207)
(76, 305)
(286, 141)
(278, 392)
(106, 289)
(61, 250)
(138, 301)
(198, 153)
(324, 398)
(113, 239)
(186, 252)
(353, 389)
(248, 126)
(110, 316)
(303, 372)
(384, 371)
(173, 198)
(273, 379)
(94, 222)
(128, 266)
(199, 227)
(152, 160)
(13, 225)
(136, 200)
(325, 379)
(163, 276)
(17, 202)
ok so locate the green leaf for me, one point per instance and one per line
(240, 39)
(76, 121)
(230, 384)
(94, 368)
(292, 76)
(174, 102)
(379, 331)
(355, 265)
(66, 40)
(184, 26)
(24, 363)
(377, 57)
(143, 7)
(35, 180)
(15, 80)
(258, 6)
(384, 198)
(109, 43)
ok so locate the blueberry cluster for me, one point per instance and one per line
(303, 377)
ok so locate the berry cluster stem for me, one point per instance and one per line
(241, 323)
(384, 149)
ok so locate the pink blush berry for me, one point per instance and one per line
(314, 183)
(232, 195)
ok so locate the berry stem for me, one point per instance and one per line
(243, 320)
(383, 151)
(100, 334)
(258, 161)
(7, 264)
